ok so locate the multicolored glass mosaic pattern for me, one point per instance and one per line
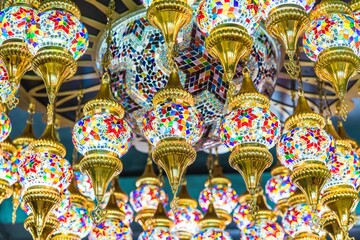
(147, 197)
(45, 169)
(158, 233)
(57, 28)
(76, 220)
(102, 132)
(279, 187)
(304, 144)
(5, 85)
(84, 184)
(224, 197)
(186, 219)
(7, 169)
(5, 126)
(298, 218)
(268, 5)
(213, 13)
(111, 230)
(250, 125)
(138, 48)
(333, 30)
(170, 119)
(241, 216)
(263, 229)
(14, 22)
(212, 233)
(345, 170)
(147, 3)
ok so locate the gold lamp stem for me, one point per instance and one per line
(15, 200)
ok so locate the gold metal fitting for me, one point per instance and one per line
(7, 146)
(229, 43)
(343, 134)
(279, 169)
(303, 116)
(330, 6)
(218, 177)
(330, 224)
(310, 177)
(263, 210)
(28, 134)
(31, 3)
(248, 95)
(118, 192)
(355, 5)
(5, 190)
(148, 176)
(169, 16)
(112, 209)
(297, 198)
(281, 207)
(185, 199)
(41, 200)
(211, 219)
(66, 5)
(47, 144)
(15, 200)
(250, 160)
(51, 224)
(143, 216)
(160, 219)
(65, 236)
(173, 92)
(174, 155)
(306, 236)
(287, 23)
(104, 101)
(101, 167)
(341, 199)
(16, 58)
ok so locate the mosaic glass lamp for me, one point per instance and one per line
(305, 148)
(212, 227)
(220, 193)
(22, 143)
(229, 26)
(8, 174)
(173, 125)
(147, 195)
(102, 136)
(159, 227)
(15, 18)
(186, 218)
(5, 122)
(331, 225)
(83, 183)
(340, 193)
(74, 219)
(287, 20)
(50, 225)
(5, 84)
(279, 187)
(263, 229)
(332, 41)
(249, 130)
(112, 228)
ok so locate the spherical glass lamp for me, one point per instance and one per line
(5, 84)
(263, 229)
(212, 233)
(241, 216)
(84, 183)
(111, 230)
(8, 173)
(222, 19)
(332, 34)
(158, 233)
(6, 125)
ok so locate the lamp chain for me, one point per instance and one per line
(293, 67)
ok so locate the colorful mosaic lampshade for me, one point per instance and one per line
(305, 148)
(8, 173)
(5, 124)
(111, 230)
(5, 84)
(228, 26)
(212, 233)
(241, 216)
(263, 229)
(57, 28)
(332, 34)
(103, 131)
(84, 183)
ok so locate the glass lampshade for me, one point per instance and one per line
(186, 219)
(263, 229)
(241, 12)
(8, 169)
(57, 28)
(173, 120)
(250, 125)
(6, 126)
(147, 196)
(279, 187)
(84, 184)
(158, 233)
(14, 21)
(5, 85)
(111, 230)
(241, 216)
(212, 233)
(103, 131)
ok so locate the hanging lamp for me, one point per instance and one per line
(15, 19)
(331, 225)
(339, 193)
(228, 26)
(332, 41)
(249, 130)
(279, 187)
(147, 195)
(186, 218)
(287, 21)
(51, 224)
(22, 143)
(305, 148)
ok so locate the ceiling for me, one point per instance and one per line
(87, 78)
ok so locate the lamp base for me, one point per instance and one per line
(51, 224)
(307, 236)
(229, 43)
(281, 207)
(331, 226)
(143, 216)
(224, 215)
(65, 236)
(310, 177)
(5, 190)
